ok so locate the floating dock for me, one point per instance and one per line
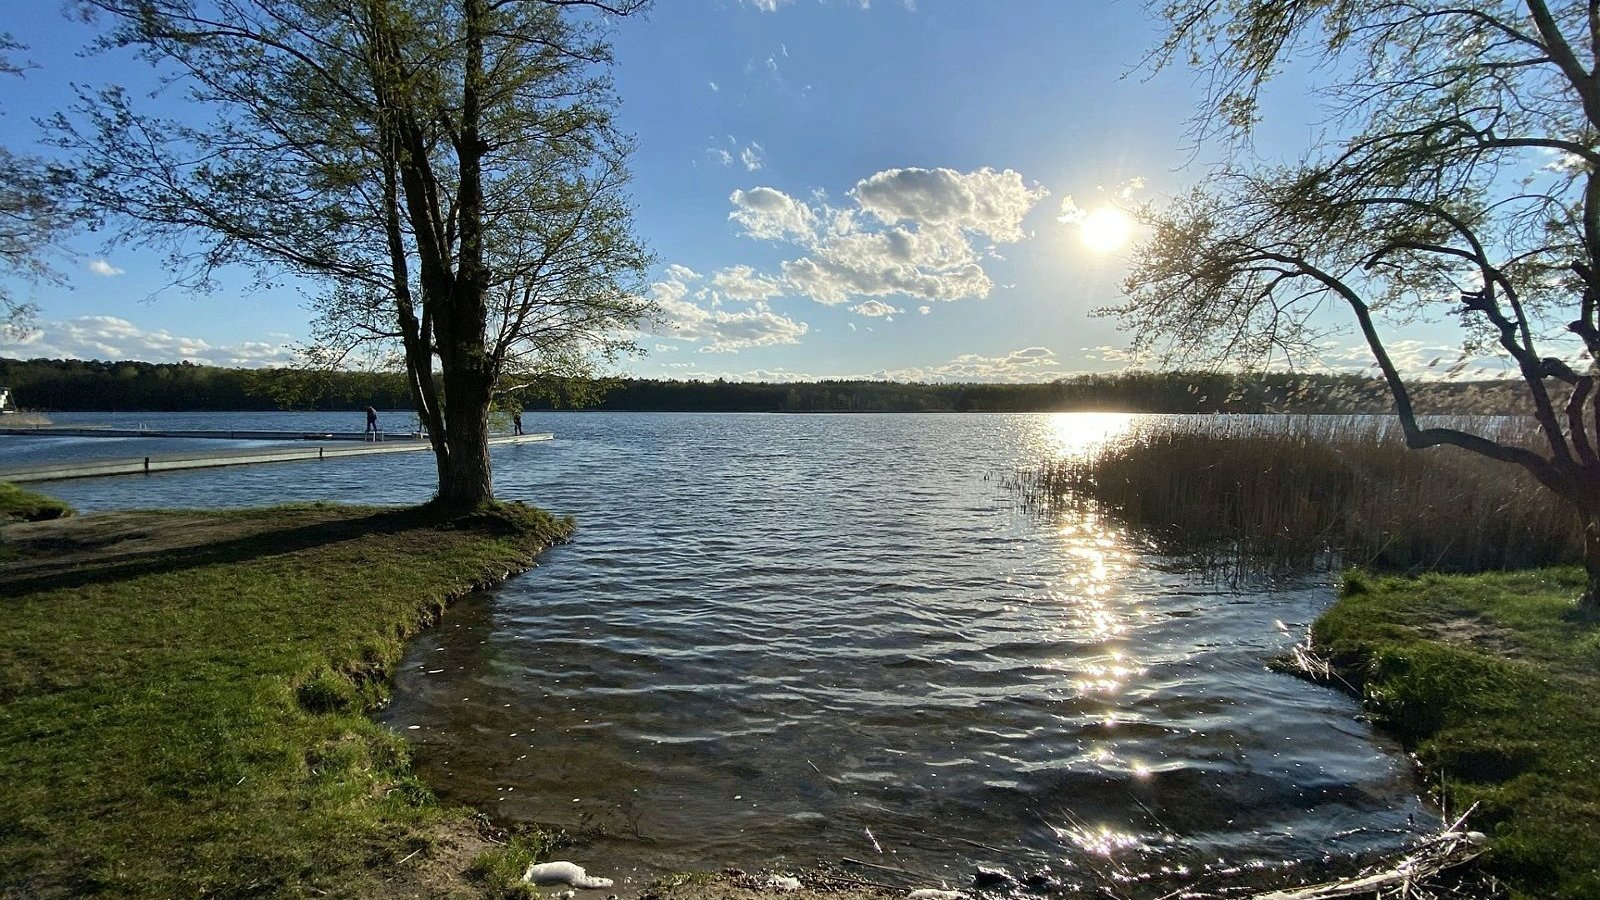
(144, 465)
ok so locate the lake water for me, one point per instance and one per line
(791, 640)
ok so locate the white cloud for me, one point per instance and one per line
(104, 269)
(985, 202)
(771, 214)
(924, 309)
(1027, 365)
(719, 156)
(717, 329)
(775, 5)
(912, 233)
(751, 157)
(875, 309)
(113, 339)
(931, 264)
(745, 283)
(714, 87)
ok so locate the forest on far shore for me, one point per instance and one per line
(79, 385)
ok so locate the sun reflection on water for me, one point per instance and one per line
(1072, 434)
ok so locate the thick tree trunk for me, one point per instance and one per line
(1589, 601)
(465, 480)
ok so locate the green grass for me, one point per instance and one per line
(1494, 683)
(18, 505)
(191, 721)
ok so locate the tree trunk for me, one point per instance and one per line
(465, 481)
(1589, 601)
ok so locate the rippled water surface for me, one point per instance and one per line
(785, 640)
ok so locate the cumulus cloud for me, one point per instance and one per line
(912, 232)
(104, 269)
(771, 214)
(112, 339)
(924, 309)
(985, 202)
(689, 309)
(745, 283)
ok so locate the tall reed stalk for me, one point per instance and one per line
(1298, 489)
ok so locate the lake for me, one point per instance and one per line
(783, 641)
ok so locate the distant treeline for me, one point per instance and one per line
(79, 385)
(72, 385)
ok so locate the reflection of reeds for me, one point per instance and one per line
(1293, 490)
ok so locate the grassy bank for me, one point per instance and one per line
(1494, 684)
(18, 505)
(1290, 491)
(182, 699)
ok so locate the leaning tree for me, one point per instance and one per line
(447, 171)
(1461, 183)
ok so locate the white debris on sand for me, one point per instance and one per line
(570, 874)
(783, 884)
(933, 894)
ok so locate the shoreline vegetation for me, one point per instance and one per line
(93, 386)
(1489, 681)
(184, 699)
(1486, 675)
(184, 694)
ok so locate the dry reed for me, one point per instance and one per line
(1297, 490)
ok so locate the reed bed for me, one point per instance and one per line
(1296, 491)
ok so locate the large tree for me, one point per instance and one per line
(448, 170)
(1461, 182)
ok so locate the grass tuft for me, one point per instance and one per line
(18, 505)
(499, 870)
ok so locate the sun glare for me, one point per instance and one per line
(1105, 229)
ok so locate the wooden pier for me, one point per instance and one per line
(349, 444)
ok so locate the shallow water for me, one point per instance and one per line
(785, 640)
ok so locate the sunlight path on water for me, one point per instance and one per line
(779, 640)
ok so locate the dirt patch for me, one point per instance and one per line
(1472, 631)
(107, 536)
(437, 872)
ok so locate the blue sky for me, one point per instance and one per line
(832, 189)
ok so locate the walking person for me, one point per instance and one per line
(373, 434)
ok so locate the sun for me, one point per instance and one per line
(1105, 229)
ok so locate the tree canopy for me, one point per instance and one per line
(1460, 185)
(33, 217)
(447, 170)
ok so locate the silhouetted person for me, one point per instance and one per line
(373, 434)
(516, 420)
